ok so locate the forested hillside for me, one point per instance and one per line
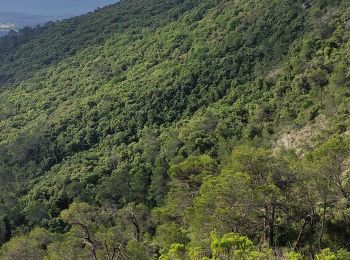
(178, 129)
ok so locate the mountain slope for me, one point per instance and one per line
(54, 42)
(132, 109)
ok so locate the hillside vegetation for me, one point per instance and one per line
(178, 129)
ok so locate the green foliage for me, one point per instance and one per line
(185, 180)
(135, 131)
(31, 246)
(231, 246)
(176, 252)
(327, 254)
(292, 256)
(169, 234)
(135, 250)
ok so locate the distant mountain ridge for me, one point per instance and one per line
(21, 19)
(53, 7)
(14, 21)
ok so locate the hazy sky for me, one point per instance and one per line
(52, 7)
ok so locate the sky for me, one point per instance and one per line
(52, 7)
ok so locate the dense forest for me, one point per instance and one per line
(178, 129)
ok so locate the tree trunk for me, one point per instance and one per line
(300, 235)
(272, 226)
(322, 225)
